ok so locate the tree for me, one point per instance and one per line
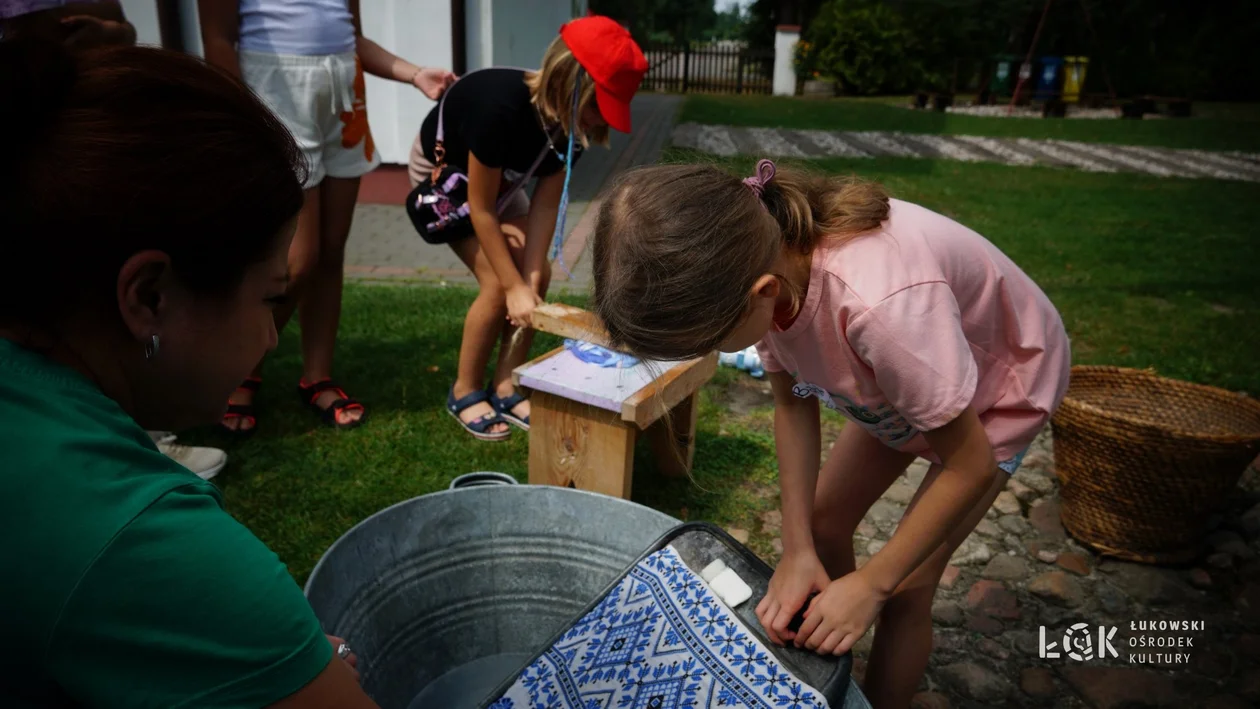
(730, 24)
(765, 15)
(674, 21)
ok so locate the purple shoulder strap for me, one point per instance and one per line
(441, 132)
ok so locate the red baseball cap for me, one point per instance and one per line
(616, 64)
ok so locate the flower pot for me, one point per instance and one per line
(819, 88)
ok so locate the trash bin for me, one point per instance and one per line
(1049, 78)
(1004, 69)
(1074, 78)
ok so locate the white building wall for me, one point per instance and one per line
(514, 32)
(143, 15)
(420, 32)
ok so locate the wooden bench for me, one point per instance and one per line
(586, 419)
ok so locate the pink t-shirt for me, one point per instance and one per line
(903, 328)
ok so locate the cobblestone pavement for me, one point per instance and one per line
(1019, 571)
(1094, 157)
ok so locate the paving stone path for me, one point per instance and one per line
(1093, 157)
(1019, 571)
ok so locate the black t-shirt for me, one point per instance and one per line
(489, 113)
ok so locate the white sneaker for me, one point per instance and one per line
(204, 462)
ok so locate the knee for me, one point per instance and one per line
(910, 604)
(491, 294)
(831, 526)
(302, 268)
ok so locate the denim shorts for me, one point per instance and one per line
(1010, 465)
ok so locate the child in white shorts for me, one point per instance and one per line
(306, 60)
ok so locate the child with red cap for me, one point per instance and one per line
(493, 125)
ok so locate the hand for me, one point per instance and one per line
(352, 660)
(841, 615)
(797, 576)
(521, 302)
(433, 82)
(86, 31)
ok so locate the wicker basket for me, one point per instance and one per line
(1144, 461)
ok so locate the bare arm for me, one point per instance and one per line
(220, 30)
(798, 441)
(334, 688)
(800, 572)
(544, 210)
(483, 195)
(968, 472)
(379, 61)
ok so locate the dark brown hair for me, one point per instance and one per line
(678, 248)
(120, 150)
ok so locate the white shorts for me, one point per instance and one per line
(323, 102)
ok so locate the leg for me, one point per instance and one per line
(320, 306)
(571, 443)
(482, 326)
(857, 472)
(514, 346)
(304, 254)
(903, 639)
(673, 437)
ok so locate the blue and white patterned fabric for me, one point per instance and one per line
(660, 640)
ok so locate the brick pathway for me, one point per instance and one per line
(1094, 157)
(384, 245)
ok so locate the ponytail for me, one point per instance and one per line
(811, 207)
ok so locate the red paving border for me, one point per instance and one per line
(387, 184)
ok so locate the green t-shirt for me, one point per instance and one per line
(125, 583)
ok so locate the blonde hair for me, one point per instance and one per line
(551, 90)
(678, 248)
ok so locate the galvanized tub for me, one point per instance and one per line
(445, 595)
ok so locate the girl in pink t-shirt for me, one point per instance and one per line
(916, 328)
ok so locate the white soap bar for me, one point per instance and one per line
(712, 570)
(731, 588)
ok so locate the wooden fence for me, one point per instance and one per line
(723, 67)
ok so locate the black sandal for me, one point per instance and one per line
(242, 412)
(309, 394)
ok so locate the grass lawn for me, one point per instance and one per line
(1235, 127)
(1147, 272)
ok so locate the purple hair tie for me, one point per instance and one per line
(763, 174)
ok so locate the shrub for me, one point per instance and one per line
(868, 46)
(805, 60)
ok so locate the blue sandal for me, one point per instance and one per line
(505, 405)
(480, 429)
